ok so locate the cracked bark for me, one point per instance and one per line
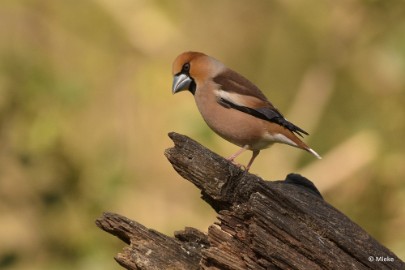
(261, 225)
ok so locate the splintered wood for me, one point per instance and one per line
(261, 224)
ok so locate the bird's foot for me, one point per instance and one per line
(240, 166)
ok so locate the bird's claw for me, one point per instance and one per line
(240, 166)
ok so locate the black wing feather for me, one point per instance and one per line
(268, 114)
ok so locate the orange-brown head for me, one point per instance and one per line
(193, 68)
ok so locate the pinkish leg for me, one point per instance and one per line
(255, 153)
(240, 151)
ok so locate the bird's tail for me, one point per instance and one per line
(300, 144)
(310, 150)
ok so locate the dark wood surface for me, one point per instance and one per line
(261, 224)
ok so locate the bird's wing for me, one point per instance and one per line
(238, 93)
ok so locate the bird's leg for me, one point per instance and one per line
(240, 151)
(254, 155)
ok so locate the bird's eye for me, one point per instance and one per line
(186, 67)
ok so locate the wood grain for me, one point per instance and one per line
(261, 224)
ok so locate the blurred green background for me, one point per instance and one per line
(86, 105)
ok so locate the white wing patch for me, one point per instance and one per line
(235, 98)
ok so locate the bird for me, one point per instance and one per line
(233, 107)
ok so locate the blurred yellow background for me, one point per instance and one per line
(86, 105)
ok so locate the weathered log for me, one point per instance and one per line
(150, 249)
(261, 224)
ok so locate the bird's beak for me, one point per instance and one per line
(181, 82)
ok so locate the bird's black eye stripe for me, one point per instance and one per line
(185, 68)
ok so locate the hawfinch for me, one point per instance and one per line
(234, 107)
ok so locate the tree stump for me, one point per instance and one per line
(261, 224)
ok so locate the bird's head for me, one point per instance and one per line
(190, 69)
